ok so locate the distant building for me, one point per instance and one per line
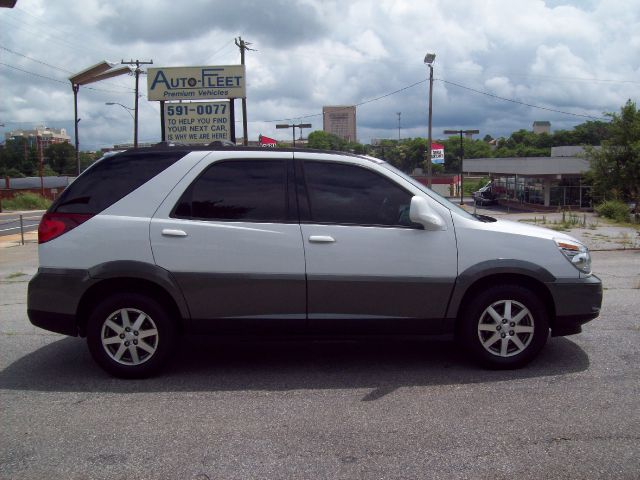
(548, 182)
(340, 121)
(40, 136)
(541, 127)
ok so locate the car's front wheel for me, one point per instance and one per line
(505, 326)
(130, 335)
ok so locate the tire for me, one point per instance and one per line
(504, 327)
(130, 335)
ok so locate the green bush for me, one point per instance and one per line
(26, 201)
(613, 209)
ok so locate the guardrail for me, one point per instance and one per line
(20, 225)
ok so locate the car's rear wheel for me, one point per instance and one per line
(130, 335)
(505, 326)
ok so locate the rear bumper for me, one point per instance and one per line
(52, 299)
(54, 322)
(576, 303)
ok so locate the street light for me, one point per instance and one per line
(466, 132)
(95, 73)
(429, 59)
(293, 128)
(128, 109)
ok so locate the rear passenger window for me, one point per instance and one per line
(244, 190)
(352, 195)
(112, 179)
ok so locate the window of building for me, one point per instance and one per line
(244, 190)
(352, 195)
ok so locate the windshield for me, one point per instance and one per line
(438, 198)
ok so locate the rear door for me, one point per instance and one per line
(229, 234)
(368, 266)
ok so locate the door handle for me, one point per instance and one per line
(321, 239)
(169, 232)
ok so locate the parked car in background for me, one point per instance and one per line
(151, 243)
(485, 195)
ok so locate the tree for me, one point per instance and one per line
(472, 149)
(61, 157)
(591, 133)
(18, 156)
(615, 168)
(326, 141)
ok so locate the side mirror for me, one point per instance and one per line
(421, 212)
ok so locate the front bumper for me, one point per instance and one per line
(576, 303)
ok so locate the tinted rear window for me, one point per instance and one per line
(238, 190)
(112, 179)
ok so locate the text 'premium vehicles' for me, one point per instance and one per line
(150, 243)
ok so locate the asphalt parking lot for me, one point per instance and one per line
(409, 408)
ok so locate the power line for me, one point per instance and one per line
(355, 105)
(33, 59)
(544, 77)
(61, 81)
(33, 73)
(517, 101)
(449, 83)
(226, 45)
(37, 30)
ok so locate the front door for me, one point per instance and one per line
(368, 266)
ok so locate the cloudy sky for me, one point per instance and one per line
(574, 58)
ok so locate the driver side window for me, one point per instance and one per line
(353, 195)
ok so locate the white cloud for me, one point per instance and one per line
(568, 55)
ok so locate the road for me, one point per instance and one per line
(10, 222)
(312, 409)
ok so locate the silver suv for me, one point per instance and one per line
(150, 243)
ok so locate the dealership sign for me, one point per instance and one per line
(437, 153)
(197, 122)
(196, 83)
(267, 141)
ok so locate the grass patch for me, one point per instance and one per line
(614, 210)
(26, 201)
(569, 220)
(15, 275)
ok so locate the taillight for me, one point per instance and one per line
(53, 225)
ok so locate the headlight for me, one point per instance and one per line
(576, 253)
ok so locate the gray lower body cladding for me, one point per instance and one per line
(53, 297)
(246, 303)
(576, 302)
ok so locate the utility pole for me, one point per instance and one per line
(293, 127)
(137, 72)
(468, 133)
(242, 45)
(399, 114)
(41, 167)
(428, 60)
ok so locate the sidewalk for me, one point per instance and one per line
(15, 240)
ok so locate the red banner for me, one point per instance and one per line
(266, 141)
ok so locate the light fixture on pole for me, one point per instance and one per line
(429, 59)
(460, 132)
(128, 109)
(293, 128)
(95, 73)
